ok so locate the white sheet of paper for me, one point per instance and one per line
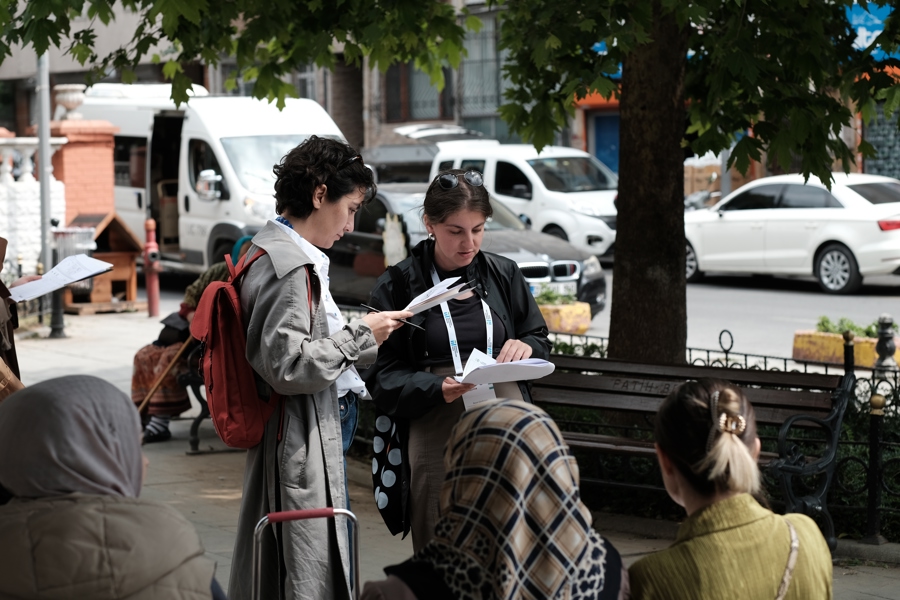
(69, 270)
(481, 393)
(448, 289)
(482, 371)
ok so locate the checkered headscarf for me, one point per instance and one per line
(512, 523)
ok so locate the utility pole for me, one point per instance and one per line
(43, 90)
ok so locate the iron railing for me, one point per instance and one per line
(866, 438)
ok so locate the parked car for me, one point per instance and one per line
(782, 226)
(358, 258)
(563, 191)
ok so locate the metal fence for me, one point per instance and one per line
(870, 434)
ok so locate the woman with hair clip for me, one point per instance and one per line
(302, 349)
(729, 546)
(412, 378)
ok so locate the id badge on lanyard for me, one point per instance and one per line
(484, 391)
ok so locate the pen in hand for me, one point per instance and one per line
(401, 320)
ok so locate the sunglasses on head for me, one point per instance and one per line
(370, 191)
(448, 181)
(349, 162)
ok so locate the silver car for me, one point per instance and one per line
(358, 258)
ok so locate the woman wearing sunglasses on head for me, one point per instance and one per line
(412, 379)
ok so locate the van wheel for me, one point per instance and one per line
(222, 248)
(836, 270)
(692, 270)
(556, 232)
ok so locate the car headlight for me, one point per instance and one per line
(259, 208)
(591, 268)
(588, 208)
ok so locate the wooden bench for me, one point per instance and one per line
(790, 402)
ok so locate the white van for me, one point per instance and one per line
(562, 191)
(202, 170)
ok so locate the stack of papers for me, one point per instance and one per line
(448, 289)
(69, 270)
(481, 368)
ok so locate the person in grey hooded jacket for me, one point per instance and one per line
(300, 347)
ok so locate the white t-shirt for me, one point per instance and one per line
(349, 379)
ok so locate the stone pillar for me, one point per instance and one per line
(85, 165)
(346, 106)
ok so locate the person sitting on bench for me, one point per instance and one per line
(71, 460)
(729, 545)
(171, 399)
(512, 524)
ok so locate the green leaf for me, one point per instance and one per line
(171, 69)
(553, 42)
(891, 100)
(474, 24)
(128, 76)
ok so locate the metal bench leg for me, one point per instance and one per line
(195, 425)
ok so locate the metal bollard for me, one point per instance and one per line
(849, 359)
(874, 474)
(57, 321)
(151, 268)
(885, 347)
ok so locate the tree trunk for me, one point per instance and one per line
(649, 313)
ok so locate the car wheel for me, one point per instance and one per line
(556, 232)
(836, 270)
(692, 270)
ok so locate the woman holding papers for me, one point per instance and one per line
(300, 347)
(413, 377)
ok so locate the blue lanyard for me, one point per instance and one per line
(283, 221)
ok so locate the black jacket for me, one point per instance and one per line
(397, 381)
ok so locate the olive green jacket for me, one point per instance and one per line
(735, 549)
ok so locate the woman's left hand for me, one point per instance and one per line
(24, 280)
(514, 350)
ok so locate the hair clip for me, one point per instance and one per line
(735, 425)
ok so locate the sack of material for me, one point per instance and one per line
(238, 411)
(9, 383)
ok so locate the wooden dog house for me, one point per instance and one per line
(116, 290)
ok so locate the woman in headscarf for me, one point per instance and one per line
(70, 457)
(512, 524)
(171, 399)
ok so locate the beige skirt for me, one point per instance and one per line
(427, 437)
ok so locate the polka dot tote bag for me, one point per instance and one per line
(390, 471)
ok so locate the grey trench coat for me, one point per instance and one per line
(299, 463)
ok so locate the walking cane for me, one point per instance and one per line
(163, 375)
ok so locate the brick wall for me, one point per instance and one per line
(85, 165)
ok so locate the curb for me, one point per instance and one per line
(886, 553)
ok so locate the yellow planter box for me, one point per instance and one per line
(567, 318)
(829, 348)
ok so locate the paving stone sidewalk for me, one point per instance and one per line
(207, 488)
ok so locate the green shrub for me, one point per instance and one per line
(826, 325)
(549, 296)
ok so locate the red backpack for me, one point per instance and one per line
(238, 412)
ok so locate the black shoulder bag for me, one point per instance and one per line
(390, 465)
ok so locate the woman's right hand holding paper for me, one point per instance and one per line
(453, 389)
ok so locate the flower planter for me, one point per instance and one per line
(829, 348)
(567, 318)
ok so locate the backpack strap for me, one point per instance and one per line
(242, 265)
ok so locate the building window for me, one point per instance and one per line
(482, 82)
(305, 80)
(409, 95)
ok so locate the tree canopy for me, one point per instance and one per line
(786, 70)
(267, 38)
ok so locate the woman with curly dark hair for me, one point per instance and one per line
(301, 349)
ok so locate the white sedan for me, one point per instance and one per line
(782, 226)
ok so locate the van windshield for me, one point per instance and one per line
(574, 174)
(253, 157)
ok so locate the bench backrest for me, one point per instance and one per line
(621, 385)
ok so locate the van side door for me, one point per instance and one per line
(202, 205)
(130, 168)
